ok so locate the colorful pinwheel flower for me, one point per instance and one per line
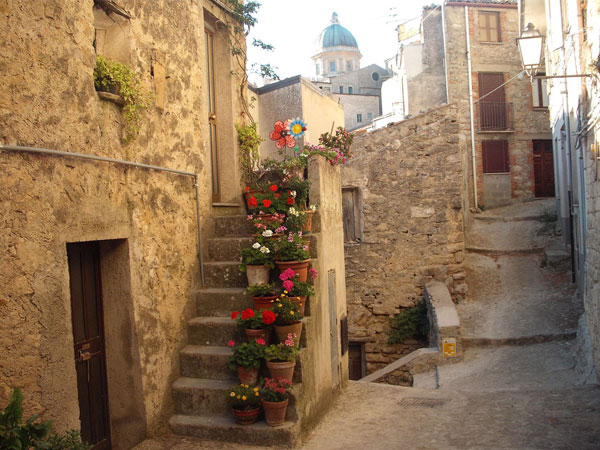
(297, 128)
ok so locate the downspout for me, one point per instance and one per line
(23, 149)
(471, 108)
(445, 50)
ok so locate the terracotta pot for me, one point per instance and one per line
(283, 369)
(263, 302)
(300, 301)
(257, 274)
(275, 412)
(282, 331)
(300, 267)
(307, 227)
(246, 417)
(247, 376)
(252, 335)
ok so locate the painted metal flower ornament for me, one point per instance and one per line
(297, 128)
(281, 136)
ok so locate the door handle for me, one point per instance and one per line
(212, 117)
(83, 355)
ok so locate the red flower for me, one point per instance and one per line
(266, 203)
(247, 189)
(247, 314)
(290, 200)
(273, 187)
(268, 317)
(234, 315)
(252, 202)
(277, 195)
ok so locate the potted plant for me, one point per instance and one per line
(246, 359)
(281, 358)
(296, 290)
(275, 395)
(256, 324)
(295, 220)
(268, 226)
(292, 253)
(307, 226)
(257, 262)
(263, 295)
(244, 400)
(288, 319)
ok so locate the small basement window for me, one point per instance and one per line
(357, 363)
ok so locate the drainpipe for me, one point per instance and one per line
(445, 50)
(22, 149)
(471, 107)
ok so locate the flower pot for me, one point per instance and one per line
(275, 412)
(257, 274)
(307, 227)
(282, 331)
(263, 302)
(283, 369)
(300, 267)
(252, 335)
(247, 376)
(300, 301)
(246, 417)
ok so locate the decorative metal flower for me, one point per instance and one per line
(297, 128)
(280, 135)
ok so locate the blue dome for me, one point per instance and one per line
(336, 35)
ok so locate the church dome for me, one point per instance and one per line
(336, 35)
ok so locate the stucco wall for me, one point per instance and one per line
(410, 178)
(358, 104)
(48, 60)
(320, 111)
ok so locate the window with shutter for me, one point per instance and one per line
(489, 26)
(495, 156)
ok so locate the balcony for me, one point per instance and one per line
(494, 116)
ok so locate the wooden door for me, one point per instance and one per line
(88, 337)
(493, 105)
(212, 112)
(543, 168)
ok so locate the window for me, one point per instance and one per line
(359, 118)
(348, 66)
(357, 364)
(375, 76)
(350, 90)
(341, 89)
(318, 69)
(351, 213)
(332, 66)
(495, 156)
(489, 26)
(369, 116)
(539, 93)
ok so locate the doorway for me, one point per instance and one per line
(89, 346)
(543, 168)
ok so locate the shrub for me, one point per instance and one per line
(411, 323)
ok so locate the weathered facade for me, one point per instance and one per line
(403, 210)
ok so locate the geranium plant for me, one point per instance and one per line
(276, 390)
(294, 287)
(287, 312)
(258, 254)
(247, 355)
(261, 290)
(284, 351)
(264, 222)
(243, 397)
(292, 247)
(341, 141)
(253, 320)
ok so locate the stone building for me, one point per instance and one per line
(570, 60)
(338, 71)
(117, 264)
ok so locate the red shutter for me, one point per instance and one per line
(495, 156)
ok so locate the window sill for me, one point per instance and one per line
(540, 108)
(491, 42)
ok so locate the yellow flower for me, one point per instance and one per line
(257, 394)
(285, 292)
(243, 397)
(279, 305)
(238, 397)
(255, 389)
(282, 295)
(232, 394)
(292, 313)
(246, 386)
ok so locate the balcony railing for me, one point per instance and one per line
(495, 116)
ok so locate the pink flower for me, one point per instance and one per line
(289, 342)
(250, 217)
(299, 233)
(288, 285)
(260, 341)
(281, 229)
(305, 248)
(291, 238)
(231, 343)
(313, 273)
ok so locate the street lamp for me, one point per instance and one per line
(531, 43)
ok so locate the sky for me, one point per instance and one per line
(293, 28)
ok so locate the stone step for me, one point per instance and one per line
(200, 361)
(232, 226)
(228, 248)
(214, 331)
(224, 274)
(201, 395)
(221, 301)
(221, 427)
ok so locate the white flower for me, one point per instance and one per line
(264, 249)
(256, 245)
(312, 208)
(292, 211)
(293, 194)
(267, 233)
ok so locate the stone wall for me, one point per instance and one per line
(409, 176)
(146, 219)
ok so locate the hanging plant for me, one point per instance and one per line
(117, 78)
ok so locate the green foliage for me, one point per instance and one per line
(116, 77)
(249, 140)
(295, 222)
(243, 397)
(287, 312)
(32, 434)
(292, 247)
(342, 140)
(261, 290)
(282, 352)
(276, 390)
(300, 186)
(248, 355)
(410, 323)
(261, 255)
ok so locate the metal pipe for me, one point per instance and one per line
(473, 164)
(48, 151)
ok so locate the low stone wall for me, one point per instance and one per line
(408, 179)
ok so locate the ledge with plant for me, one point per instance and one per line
(263, 295)
(288, 320)
(256, 324)
(275, 394)
(297, 291)
(257, 261)
(246, 359)
(292, 252)
(245, 401)
(281, 358)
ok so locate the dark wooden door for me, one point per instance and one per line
(543, 168)
(88, 337)
(493, 105)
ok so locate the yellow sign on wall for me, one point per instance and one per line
(449, 347)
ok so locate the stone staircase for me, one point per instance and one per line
(199, 394)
